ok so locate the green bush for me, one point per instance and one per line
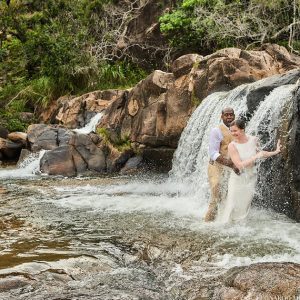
(208, 25)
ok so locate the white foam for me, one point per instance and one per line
(91, 126)
(28, 168)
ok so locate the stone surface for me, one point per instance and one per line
(10, 150)
(3, 132)
(47, 137)
(133, 165)
(91, 154)
(77, 112)
(59, 162)
(230, 67)
(261, 281)
(18, 137)
(184, 64)
(76, 153)
(157, 109)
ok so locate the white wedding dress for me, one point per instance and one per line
(241, 187)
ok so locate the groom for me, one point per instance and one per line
(220, 163)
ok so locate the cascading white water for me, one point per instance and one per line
(266, 118)
(30, 166)
(91, 126)
(191, 157)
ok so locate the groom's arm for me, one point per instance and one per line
(215, 140)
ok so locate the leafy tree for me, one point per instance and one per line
(51, 48)
(212, 24)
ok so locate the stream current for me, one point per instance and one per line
(124, 238)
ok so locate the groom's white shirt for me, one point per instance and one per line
(215, 139)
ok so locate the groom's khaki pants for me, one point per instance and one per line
(218, 179)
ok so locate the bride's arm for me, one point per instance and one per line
(235, 157)
(266, 154)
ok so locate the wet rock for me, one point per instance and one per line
(261, 281)
(23, 155)
(159, 158)
(91, 154)
(76, 153)
(62, 161)
(258, 94)
(7, 284)
(10, 150)
(132, 165)
(3, 132)
(116, 159)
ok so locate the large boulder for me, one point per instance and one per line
(231, 67)
(47, 137)
(155, 111)
(261, 281)
(64, 161)
(78, 111)
(10, 150)
(18, 137)
(91, 154)
(69, 154)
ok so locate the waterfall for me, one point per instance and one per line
(91, 126)
(27, 168)
(267, 116)
(191, 157)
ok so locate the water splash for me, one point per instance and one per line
(267, 116)
(91, 126)
(191, 157)
(29, 167)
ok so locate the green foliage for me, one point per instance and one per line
(120, 74)
(120, 143)
(202, 25)
(46, 51)
(103, 132)
(13, 123)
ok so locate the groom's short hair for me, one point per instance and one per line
(227, 109)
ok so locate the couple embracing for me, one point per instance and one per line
(231, 170)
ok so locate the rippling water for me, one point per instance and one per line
(124, 238)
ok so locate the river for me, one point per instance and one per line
(124, 237)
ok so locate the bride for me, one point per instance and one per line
(243, 153)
